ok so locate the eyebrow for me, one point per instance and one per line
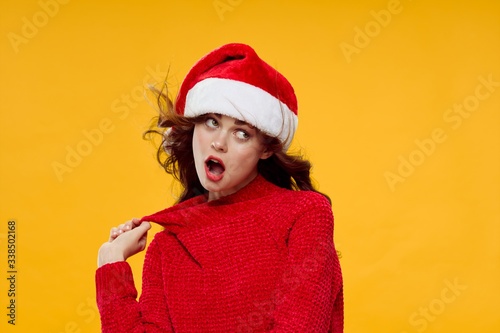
(236, 121)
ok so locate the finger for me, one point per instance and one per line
(143, 240)
(113, 233)
(117, 231)
(127, 226)
(142, 228)
(135, 222)
(133, 241)
(141, 231)
(145, 226)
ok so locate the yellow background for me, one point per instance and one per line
(80, 68)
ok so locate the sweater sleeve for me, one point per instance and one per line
(309, 297)
(116, 297)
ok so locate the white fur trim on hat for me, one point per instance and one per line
(244, 102)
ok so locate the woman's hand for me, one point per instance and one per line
(124, 241)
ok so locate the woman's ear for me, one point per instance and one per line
(266, 154)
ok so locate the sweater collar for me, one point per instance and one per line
(257, 188)
(182, 214)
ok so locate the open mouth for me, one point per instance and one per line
(214, 168)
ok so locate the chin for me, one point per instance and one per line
(211, 186)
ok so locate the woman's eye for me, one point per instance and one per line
(211, 122)
(242, 135)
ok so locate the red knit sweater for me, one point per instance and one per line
(259, 260)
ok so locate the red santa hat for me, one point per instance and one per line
(233, 81)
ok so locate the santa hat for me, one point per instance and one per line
(233, 81)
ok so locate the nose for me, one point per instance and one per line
(219, 143)
(218, 146)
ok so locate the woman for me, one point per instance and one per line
(249, 245)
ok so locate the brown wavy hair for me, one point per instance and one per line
(175, 153)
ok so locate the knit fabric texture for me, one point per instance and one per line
(259, 260)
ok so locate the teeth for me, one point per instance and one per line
(215, 161)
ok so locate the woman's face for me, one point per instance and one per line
(226, 152)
